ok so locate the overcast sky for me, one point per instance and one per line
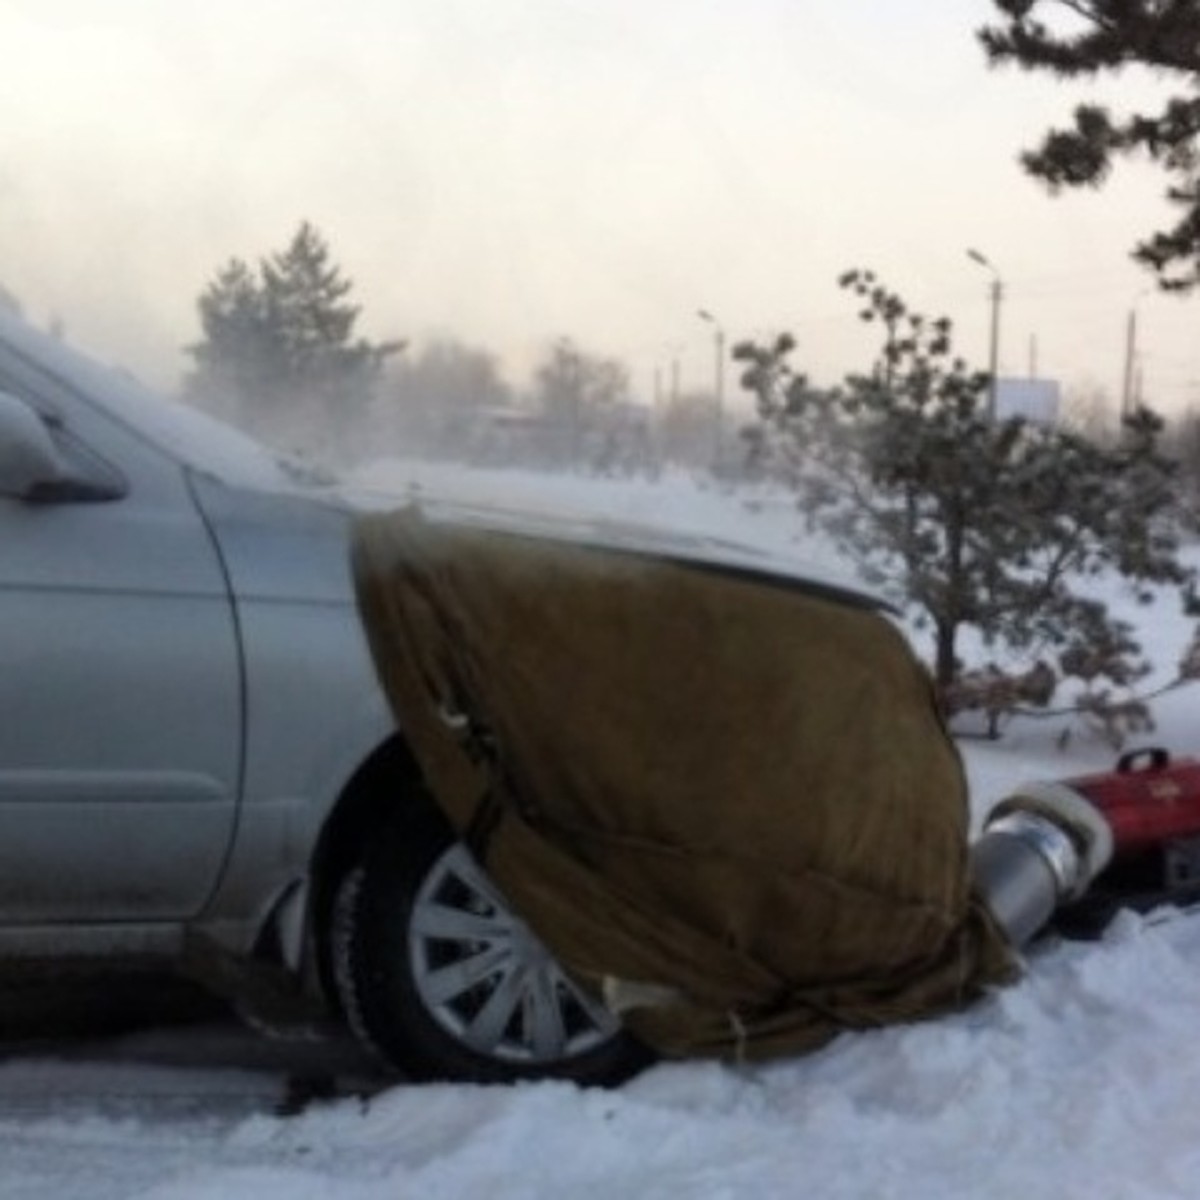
(509, 171)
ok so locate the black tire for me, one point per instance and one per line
(444, 981)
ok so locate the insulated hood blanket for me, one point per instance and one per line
(726, 803)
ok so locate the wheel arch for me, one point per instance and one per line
(387, 780)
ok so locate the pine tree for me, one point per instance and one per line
(235, 363)
(961, 519)
(1098, 36)
(279, 350)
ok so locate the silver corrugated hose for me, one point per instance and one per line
(1024, 867)
(1042, 848)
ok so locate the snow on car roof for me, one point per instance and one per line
(186, 434)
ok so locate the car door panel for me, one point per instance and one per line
(120, 699)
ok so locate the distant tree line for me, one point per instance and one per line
(451, 400)
(280, 356)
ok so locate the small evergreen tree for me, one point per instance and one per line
(966, 521)
(279, 353)
(234, 365)
(1097, 36)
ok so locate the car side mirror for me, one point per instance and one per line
(28, 457)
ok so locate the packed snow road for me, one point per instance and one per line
(1080, 1082)
(80, 1045)
(109, 1084)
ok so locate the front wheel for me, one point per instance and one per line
(441, 977)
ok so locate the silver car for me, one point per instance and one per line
(197, 765)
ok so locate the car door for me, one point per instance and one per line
(120, 683)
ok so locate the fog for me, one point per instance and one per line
(512, 172)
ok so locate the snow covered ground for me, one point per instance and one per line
(1080, 1081)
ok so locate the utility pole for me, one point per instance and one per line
(574, 369)
(718, 381)
(1127, 386)
(996, 292)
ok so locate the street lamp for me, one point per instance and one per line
(997, 294)
(719, 378)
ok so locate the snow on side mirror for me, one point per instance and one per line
(28, 458)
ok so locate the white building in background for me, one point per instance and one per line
(1037, 400)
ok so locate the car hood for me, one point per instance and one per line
(294, 546)
(583, 528)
